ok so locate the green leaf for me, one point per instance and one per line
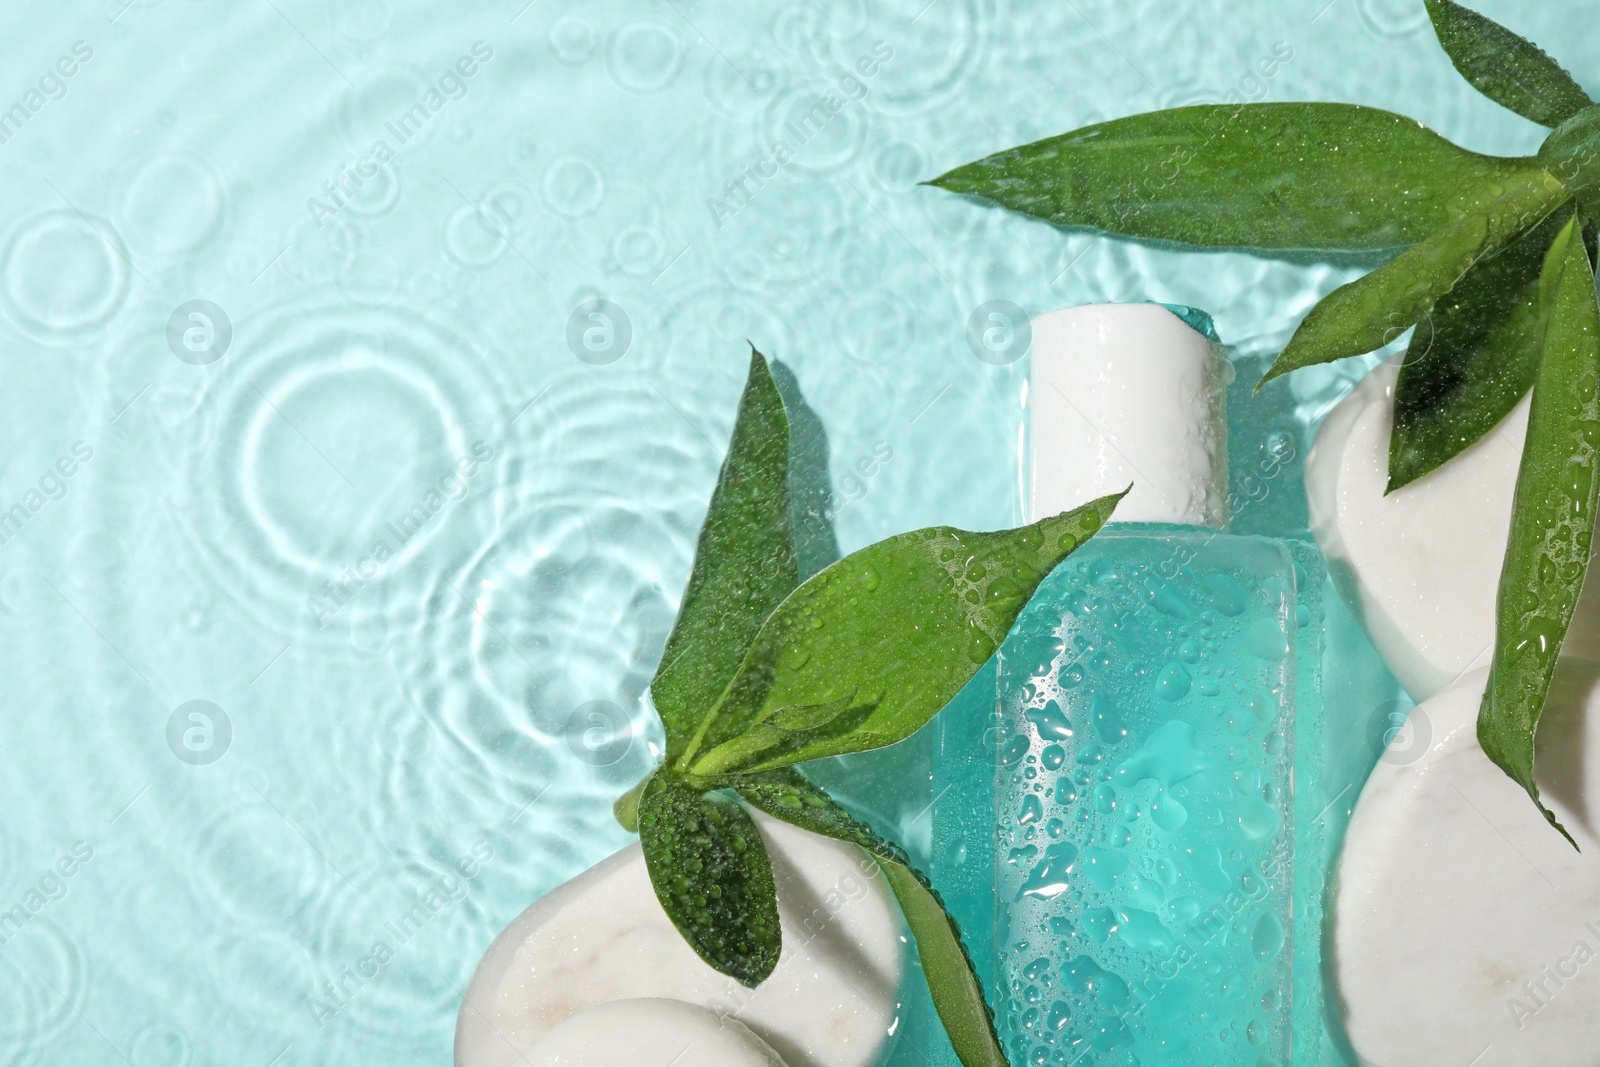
(1375, 309)
(625, 809)
(1552, 515)
(1472, 359)
(957, 996)
(744, 564)
(786, 794)
(952, 982)
(710, 870)
(1571, 152)
(1509, 69)
(1263, 176)
(869, 649)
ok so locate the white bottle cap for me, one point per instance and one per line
(1128, 393)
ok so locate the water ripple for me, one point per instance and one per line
(63, 276)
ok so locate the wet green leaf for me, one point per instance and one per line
(1572, 154)
(787, 794)
(1471, 359)
(952, 982)
(1263, 176)
(1510, 70)
(710, 870)
(1375, 309)
(869, 649)
(744, 564)
(1552, 514)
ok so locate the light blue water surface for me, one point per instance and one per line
(395, 362)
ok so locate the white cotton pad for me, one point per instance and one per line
(1421, 566)
(650, 1032)
(1465, 929)
(602, 937)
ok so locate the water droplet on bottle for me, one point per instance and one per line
(1174, 681)
(1268, 937)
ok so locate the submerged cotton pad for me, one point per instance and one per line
(1466, 930)
(831, 1001)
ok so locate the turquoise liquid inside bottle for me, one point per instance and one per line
(1145, 741)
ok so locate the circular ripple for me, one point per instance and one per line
(715, 325)
(821, 138)
(802, 30)
(335, 457)
(61, 277)
(160, 1045)
(574, 186)
(572, 40)
(471, 240)
(935, 57)
(424, 769)
(507, 205)
(172, 203)
(1392, 18)
(428, 920)
(900, 164)
(280, 972)
(257, 867)
(641, 245)
(638, 250)
(32, 1014)
(560, 613)
(400, 415)
(572, 600)
(643, 57)
(374, 188)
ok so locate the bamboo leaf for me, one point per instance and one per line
(866, 651)
(952, 982)
(1507, 68)
(1471, 359)
(744, 564)
(1264, 176)
(710, 870)
(1375, 309)
(1552, 515)
(1572, 154)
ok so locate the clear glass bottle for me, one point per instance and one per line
(1132, 834)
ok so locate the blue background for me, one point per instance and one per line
(483, 685)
